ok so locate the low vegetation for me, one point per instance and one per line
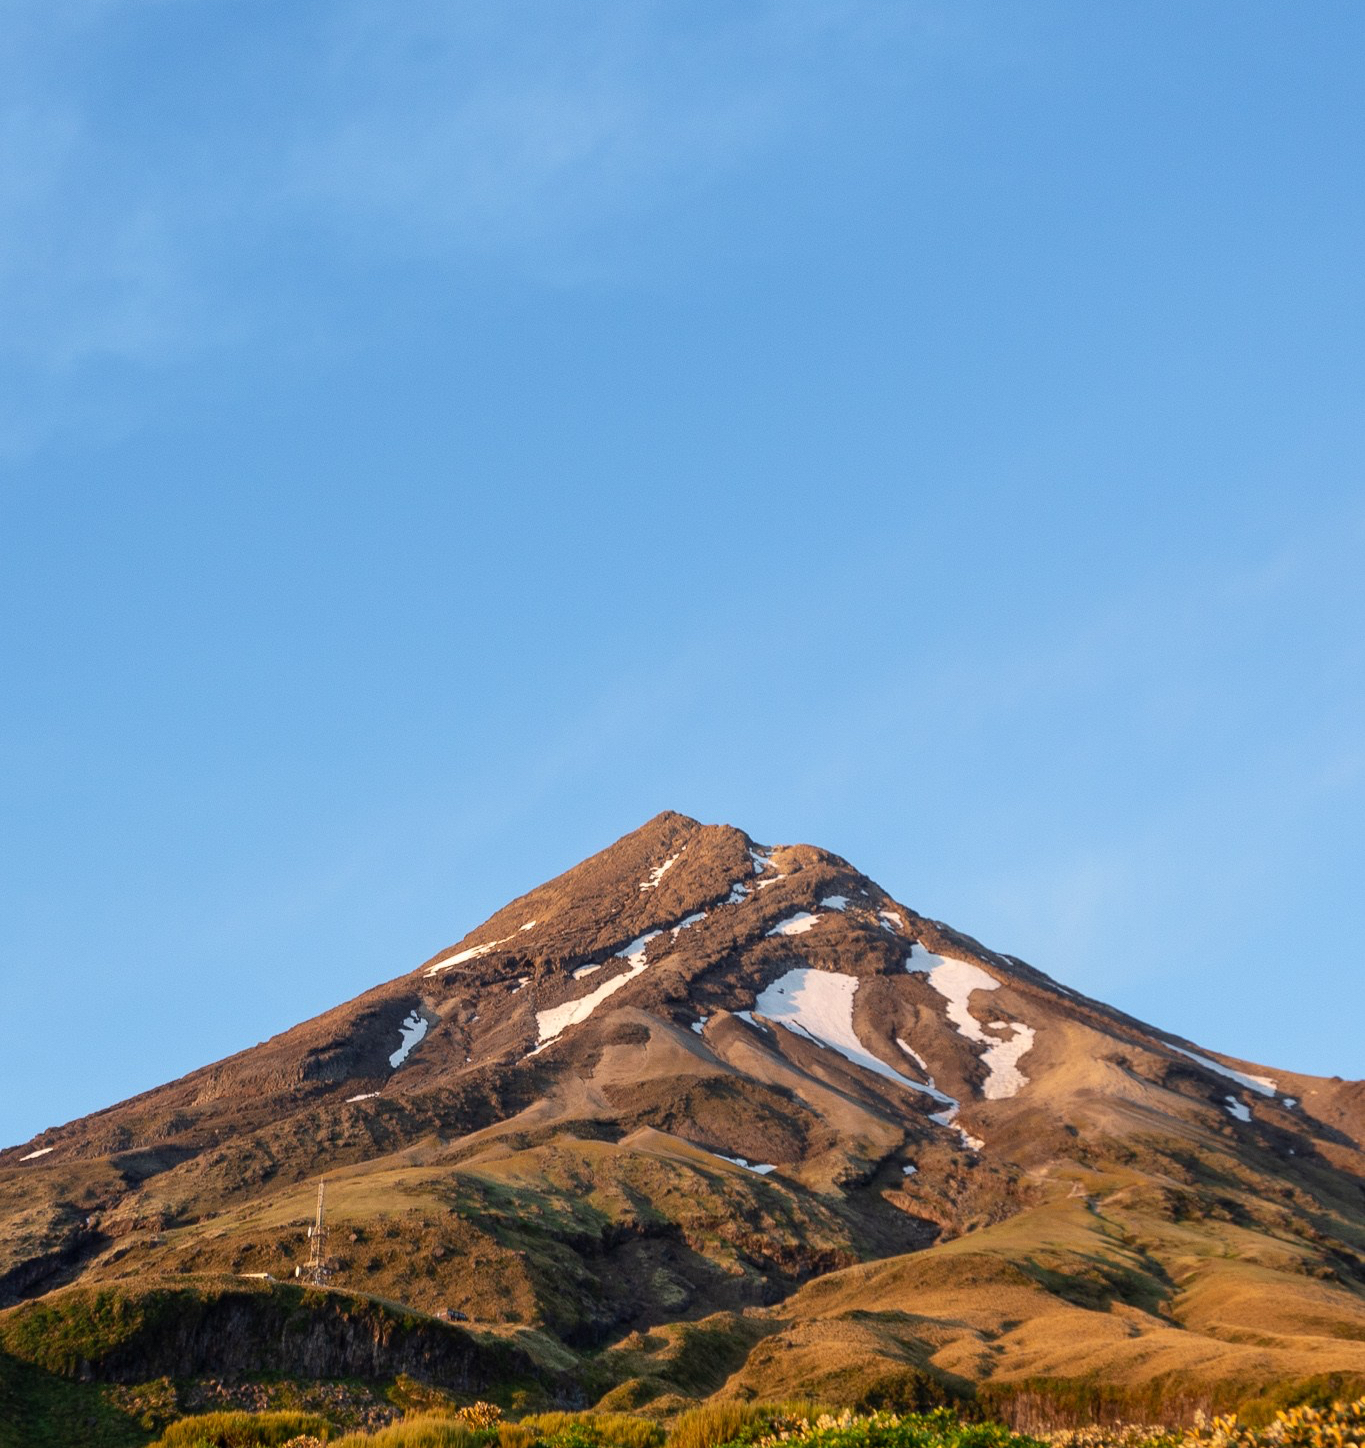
(430, 1422)
(243, 1430)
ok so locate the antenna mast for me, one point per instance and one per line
(317, 1257)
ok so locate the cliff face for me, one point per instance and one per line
(129, 1336)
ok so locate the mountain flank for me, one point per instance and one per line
(704, 1117)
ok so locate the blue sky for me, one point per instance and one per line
(435, 438)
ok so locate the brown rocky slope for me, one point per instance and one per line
(700, 1117)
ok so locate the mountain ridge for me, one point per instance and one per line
(698, 1080)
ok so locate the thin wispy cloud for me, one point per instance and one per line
(363, 135)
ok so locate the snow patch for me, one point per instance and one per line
(909, 1169)
(955, 980)
(738, 894)
(584, 970)
(914, 1056)
(893, 921)
(740, 1161)
(699, 1025)
(762, 859)
(522, 982)
(834, 902)
(818, 1004)
(658, 873)
(947, 1118)
(688, 922)
(364, 1096)
(929, 1089)
(553, 1022)
(42, 1151)
(1262, 1085)
(796, 924)
(473, 953)
(1290, 1102)
(413, 1028)
(1237, 1108)
(530, 925)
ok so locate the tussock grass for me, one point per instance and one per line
(715, 1423)
(425, 1430)
(541, 1430)
(242, 1430)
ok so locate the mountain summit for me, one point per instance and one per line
(702, 1115)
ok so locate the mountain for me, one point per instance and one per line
(699, 1117)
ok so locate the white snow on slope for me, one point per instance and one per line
(473, 953)
(1237, 1108)
(915, 1057)
(818, 1004)
(658, 873)
(930, 1089)
(1262, 1085)
(364, 1096)
(42, 1151)
(584, 970)
(1002, 1061)
(738, 894)
(413, 1029)
(762, 859)
(740, 1161)
(834, 902)
(955, 980)
(699, 1025)
(796, 924)
(909, 1170)
(891, 920)
(522, 982)
(553, 1022)
(688, 922)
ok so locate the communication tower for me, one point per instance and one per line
(316, 1271)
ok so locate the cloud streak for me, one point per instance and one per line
(160, 197)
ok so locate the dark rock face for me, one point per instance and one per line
(688, 1077)
(299, 1334)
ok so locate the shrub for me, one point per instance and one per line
(610, 1430)
(1342, 1425)
(939, 1429)
(1306, 1427)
